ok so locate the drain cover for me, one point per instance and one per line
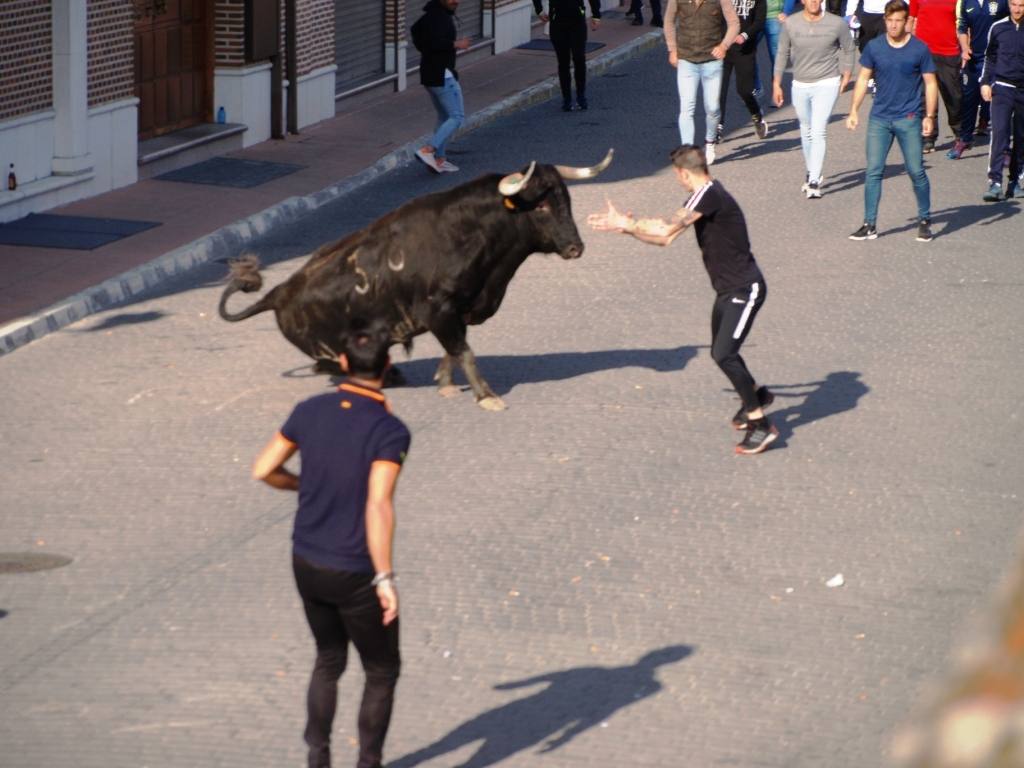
(25, 562)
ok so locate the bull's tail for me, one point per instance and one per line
(245, 277)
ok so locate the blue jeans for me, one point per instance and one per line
(907, 131)
(772, 30)
(813, 103)
(708, 76)
(447, 100)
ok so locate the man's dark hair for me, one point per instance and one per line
(895, 6)
(367, 349)
(690, 157)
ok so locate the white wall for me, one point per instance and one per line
(244, 92)
(512, 25)
(316, 95)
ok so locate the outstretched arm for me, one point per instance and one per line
(652, 231)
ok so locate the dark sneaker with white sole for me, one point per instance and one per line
(994, 193)
(760, 434)
(866, 232)
(764, 399)
(924, 231)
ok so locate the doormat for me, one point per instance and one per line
(78, 233)
(543, 44)
(230, 172)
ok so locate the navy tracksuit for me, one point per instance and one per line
(1004, 73)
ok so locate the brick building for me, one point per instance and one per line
(95, 94)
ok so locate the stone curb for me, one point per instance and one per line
(228, 240)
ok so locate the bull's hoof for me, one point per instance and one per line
(449, 390)
(492, 403)
(394, 378)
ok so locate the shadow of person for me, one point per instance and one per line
(572, 701)
(839, 391)
(952, 219)
(505, 372)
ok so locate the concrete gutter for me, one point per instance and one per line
(230, 240)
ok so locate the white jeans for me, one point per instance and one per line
(813, 103)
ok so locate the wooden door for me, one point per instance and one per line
(173, 78)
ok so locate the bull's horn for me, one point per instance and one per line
(511, 184)
(397, 266)
(569, 172)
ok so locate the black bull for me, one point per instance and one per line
(439, 263)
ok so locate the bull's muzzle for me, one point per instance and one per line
(573, 251)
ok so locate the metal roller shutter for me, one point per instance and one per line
(358, 41)
(469, 22)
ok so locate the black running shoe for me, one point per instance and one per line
(764, 399)
(924, 231)
(866, 232)
(582, 103)
(928, 146)
(567, 106)
(760, 434)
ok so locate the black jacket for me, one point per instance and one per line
(433, 34)
(568, 10)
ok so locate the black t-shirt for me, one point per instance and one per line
(722, 236)
(339, 435)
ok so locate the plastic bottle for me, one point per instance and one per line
(222, 116)
(12, 180)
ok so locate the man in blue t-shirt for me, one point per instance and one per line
(974, 18)
(903, 71)
(352, 450)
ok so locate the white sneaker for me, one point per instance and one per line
(428, 158)
(709, 152)
(445, 167)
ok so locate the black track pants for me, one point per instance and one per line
(745, 65)
(341, 607)
(731, 320)
(570, 41)
(871, 26)
(951, 89)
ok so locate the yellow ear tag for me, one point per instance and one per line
(509, 204)
(346, 404)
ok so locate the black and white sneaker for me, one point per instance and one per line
(760, 126)
(924, 231)
(760, 434)
(764, 399)
(813, 189)
(866, 232)
(719, 130)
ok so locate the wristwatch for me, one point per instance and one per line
(381, 577)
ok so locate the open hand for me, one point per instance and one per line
(611, 220)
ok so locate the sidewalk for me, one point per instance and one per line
(43, 289)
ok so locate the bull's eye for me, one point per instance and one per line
(544, 205)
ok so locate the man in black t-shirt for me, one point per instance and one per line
(725, 247)
(352, 451)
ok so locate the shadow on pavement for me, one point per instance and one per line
(125, 318)
(505, 372)
(3, 613)
(839, 391)
(571, 702)
(952, 219)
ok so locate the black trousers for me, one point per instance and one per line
(731, 320)
(951, 89)
(342, 606)
(570, 41)
(871, 26)
(745, 65)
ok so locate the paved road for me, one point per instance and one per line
(590, 578)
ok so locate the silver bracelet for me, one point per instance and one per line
(381, 577)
